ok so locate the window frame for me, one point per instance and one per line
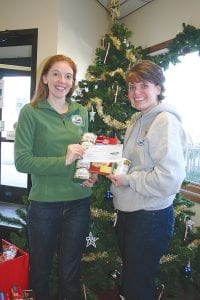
(13, 194)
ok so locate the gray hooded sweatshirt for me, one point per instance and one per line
(156, 145)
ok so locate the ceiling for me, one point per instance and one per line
(126, 6)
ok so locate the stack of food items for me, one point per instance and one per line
(103, 156)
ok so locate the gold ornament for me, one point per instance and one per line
(116, 41)
(130, 56)
(107, 119)
(119, 71)
(113, 8)
(168, 258)
(195, 244)
(90, 77)
(178, 210)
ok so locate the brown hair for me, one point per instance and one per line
(148, 71)
(42, 90)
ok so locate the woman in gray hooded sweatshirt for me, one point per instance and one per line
(155, 143)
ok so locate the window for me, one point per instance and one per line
(16, 93)
(182, 91)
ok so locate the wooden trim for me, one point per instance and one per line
(190, 196)
(157, 47)
(191, 191)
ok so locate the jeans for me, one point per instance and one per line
(143, 238)
(50, 223)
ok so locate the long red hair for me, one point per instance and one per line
(42, 90)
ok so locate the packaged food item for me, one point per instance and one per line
(82, 168)
(100, 168)
(117, 168)
(4, 296)
(102, 139)
(1, 257)
(82, 164)
(1, 253)
(16, 293)
(9, 252)
(28, 295)
(85, 167)
(88, 139)
(121, 166)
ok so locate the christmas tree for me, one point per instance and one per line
(104, 93)
(180, 268)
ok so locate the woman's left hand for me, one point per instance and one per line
(91, 181)
(116, 179)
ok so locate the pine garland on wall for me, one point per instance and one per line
(184, 42)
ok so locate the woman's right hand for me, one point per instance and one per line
(74, 152)
(116, 179)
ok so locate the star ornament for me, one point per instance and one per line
(91, 240)
(92, 114)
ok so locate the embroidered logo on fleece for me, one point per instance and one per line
(140, 142)
(77, 120)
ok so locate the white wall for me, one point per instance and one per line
(75, 27)
(81, 25)
(25, 14)
(161, 20)
(71, 27)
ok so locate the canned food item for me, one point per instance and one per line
(121, 166)
(82, 174)
(101, 168)
(81, 163)
(82, 167)
(88, 139)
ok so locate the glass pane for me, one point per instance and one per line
(16, 93)
(9, 174)
(182, 91)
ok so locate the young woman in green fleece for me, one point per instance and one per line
(47, 146)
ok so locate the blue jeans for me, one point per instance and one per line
(50, 223)
(143, 238)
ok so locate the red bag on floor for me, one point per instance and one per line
(14, 271)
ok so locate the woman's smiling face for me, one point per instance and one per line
(143, 95)
(59, 80)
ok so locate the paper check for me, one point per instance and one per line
(103, 153)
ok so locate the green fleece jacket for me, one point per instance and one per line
(42, 138)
